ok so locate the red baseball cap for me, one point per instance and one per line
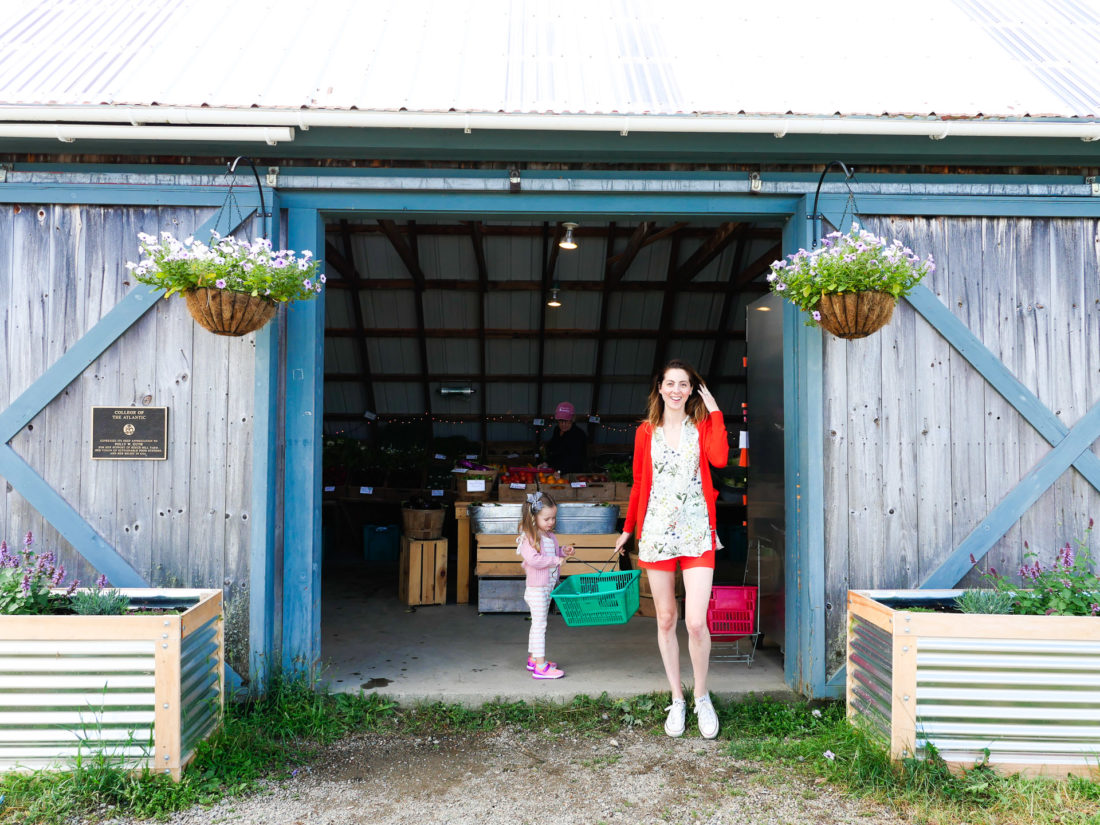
(564, 411)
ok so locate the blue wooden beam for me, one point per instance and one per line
(993, 370)
(1034, 483)
(302, 481)
(957, 205)
(263, 642)
(113, 194)
(544, 204)
(67, 521)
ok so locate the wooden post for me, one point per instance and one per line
(168, 698)
(462, 577)
(903, 725)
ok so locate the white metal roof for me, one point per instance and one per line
(949, 58)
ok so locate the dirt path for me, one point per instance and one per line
(512, 777)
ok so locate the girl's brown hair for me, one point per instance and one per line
(695, 408)
(527, 526)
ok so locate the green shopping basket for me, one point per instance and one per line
(588, 599)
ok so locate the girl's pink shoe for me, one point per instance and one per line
(531, 664)
(547, 671)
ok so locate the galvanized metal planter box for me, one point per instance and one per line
(143, 689)
(1025, 687)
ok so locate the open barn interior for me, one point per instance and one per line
(449, 344)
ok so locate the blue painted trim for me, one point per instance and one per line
(544, 204)
(960, 205)
(263, 645)
(109, 194)
(1034, 483)
(993, 370)
(804, 478)
(305, 335)
(67, 521)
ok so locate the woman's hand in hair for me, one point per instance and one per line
(708, 399)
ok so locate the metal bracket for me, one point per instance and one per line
(273, 176)
(1091, 181)
(755, 183)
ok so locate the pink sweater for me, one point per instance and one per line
(539, 565)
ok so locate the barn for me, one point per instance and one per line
(435, 155)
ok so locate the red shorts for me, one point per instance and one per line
(686, 562)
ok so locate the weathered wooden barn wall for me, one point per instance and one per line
(918, 446)
(183, 521)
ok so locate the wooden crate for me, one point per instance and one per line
(595, 492)
(422, 577)
(559, 492)
(475, 478)
(497, 556)
(515, 492)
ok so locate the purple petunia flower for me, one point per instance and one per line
(220, 283)
(816, 315)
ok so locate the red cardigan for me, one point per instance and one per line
(714, 449)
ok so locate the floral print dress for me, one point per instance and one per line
(677, 522)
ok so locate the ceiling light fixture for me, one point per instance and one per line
(567, 242)
(554, 301)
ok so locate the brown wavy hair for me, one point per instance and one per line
(527, 524)
(655, 407)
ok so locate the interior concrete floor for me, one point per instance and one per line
(373, 642)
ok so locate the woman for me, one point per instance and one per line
(672, 509)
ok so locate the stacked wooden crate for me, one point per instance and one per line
(501, 578)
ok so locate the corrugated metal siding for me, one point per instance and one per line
(870, 671)
(61, 699)
(199, 680)
(1029, 702)
(634, 57)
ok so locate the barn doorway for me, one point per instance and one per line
(444, 346)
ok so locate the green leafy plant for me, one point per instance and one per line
(26, 578)
(1069, 586)
(859, 261)
(985, 600)
(103, 601)
(227, 263)
(620, 471)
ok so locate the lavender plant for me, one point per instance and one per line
(858, 261)
(227, 263)
(1069, 586)
(26, 578)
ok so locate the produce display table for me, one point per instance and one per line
(465, 559)
(497, 556)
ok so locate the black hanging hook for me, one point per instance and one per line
(232, 165)
(815, 217)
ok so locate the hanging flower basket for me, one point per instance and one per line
(855, 314)
(232, 287)
(229, 313)
(849, 284)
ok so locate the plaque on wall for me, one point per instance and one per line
(121, 433)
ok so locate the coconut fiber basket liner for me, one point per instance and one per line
(855, 314)
(229, 313)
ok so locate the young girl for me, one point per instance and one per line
(682, 436)
(542, 556)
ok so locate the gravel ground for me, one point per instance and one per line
(512, 776)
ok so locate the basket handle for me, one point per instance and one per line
(594, 567)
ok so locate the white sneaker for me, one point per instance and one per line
(708, 719)
(674, 724)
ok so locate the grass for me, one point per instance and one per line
(272, 737)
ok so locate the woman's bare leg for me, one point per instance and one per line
(662, 585)
(697, 582)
